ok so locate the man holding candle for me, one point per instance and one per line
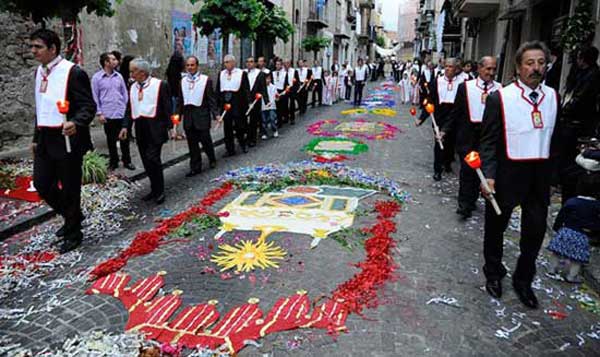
(292, 81)
(256, 81)
(198, 106)
(466, 118)
(150, 110)
(518, 146)
(233, 91)
(305, 78)
(317, 76)
(442, 95)
(281, 100)
(64, 109)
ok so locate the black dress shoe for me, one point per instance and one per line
(494, 288)
(526, 295)
(62, 230)
(70, 243)
(213, 164)
(148, 197)
(160, 199)
(245, 150)
(464, 213)
(229, 154)
(192, 173)
(112, 167)
(129, 166)
(437, 176)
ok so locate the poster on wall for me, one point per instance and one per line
(207, 49)
(182, 32)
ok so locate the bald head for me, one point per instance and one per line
(487, 68)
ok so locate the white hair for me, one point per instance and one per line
(228, 58)
(451, 61)
(141, 64)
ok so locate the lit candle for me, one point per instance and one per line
(63, 108)
(226, 108)
(257, 97)
(474, 161)
(430, 108)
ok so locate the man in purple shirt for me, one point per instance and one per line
(110, 94)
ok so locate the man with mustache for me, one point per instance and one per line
(518, 145)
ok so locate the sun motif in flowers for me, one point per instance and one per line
(247, 255)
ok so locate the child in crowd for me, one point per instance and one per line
(269, 113)
(327, 88)
(578, 217)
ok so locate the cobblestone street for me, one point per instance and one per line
(434, 306)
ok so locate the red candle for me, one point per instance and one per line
(175, 119)
(63, 106)
(430, 108)
(257, 96)
(227, 107)
(413, 111)
(473, 160)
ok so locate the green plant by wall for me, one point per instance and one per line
(95, 168)
(579, 28)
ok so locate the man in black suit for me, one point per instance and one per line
(56, 80)
(233, 90)
(198, 107)
(518, 146)
(257, 83)
(305, 79)
(150, 110)
(292, 81)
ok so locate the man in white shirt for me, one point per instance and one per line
(361, 74)
(317, 72)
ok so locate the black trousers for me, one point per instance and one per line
(468, 189)
(282, 108)
(195, 137)
(292, 108)
(112, 128)
(533, 229)
(444, 158)
(150, 154)
(234, 126)
(254, 123)
(348, 93)
(302, 99)
(358, 92)
(47, 173)
(317, 92)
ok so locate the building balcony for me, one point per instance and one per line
(474, 8)
(317, 15)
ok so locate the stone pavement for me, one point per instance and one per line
(438, 255)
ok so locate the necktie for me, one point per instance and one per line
(485, 85)
(534, 97)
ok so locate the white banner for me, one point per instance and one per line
(439, 32)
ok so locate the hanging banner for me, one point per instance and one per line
(439, 32)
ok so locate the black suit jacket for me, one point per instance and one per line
(199, 118)
(238, 100)
(515, 180)
(442, 111)
(82, 110)
(154, 129)
(260, 86)
(293, 85)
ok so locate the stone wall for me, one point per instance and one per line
(16, 79)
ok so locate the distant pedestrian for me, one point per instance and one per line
(111, 97)
(317, 73)
(361, 74)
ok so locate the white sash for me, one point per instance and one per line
(252, 75)
(317, 71)
(291, 74)
(279, 78)
(231, 83)
(193, 90)
(447, 89)
(47, 114)
(360, 73)
(302, 73)
(523, 140)
(476, 97)
(146, 107)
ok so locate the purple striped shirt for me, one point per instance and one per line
(110, 94)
